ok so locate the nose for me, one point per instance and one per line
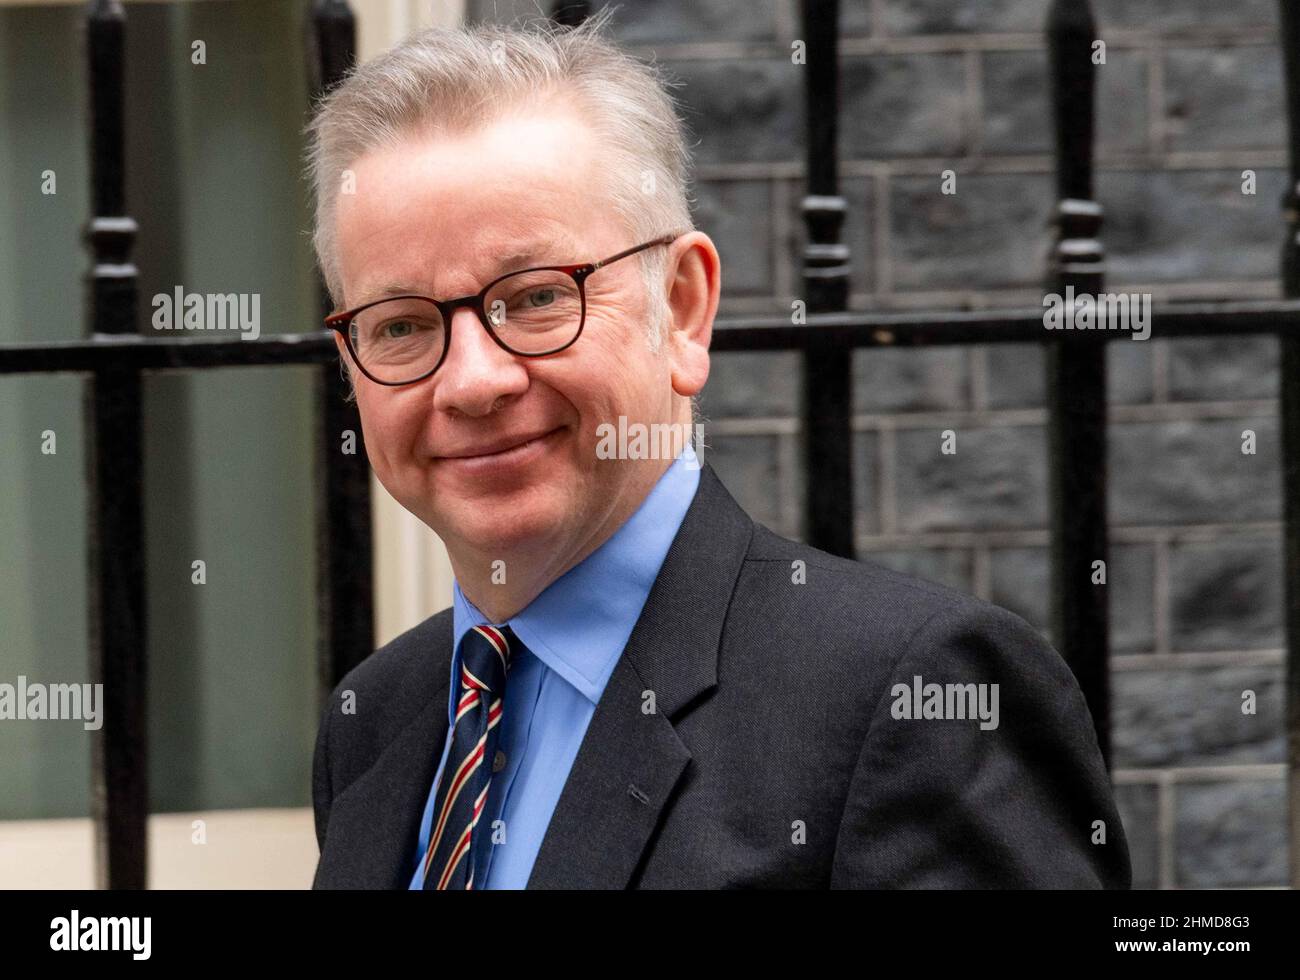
(476, 373)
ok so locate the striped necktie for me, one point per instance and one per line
(463, 787)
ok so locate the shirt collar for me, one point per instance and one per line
(579, 625)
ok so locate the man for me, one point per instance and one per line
(637, 685)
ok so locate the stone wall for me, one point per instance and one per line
(1189, 98)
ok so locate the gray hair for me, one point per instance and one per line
(457, 79)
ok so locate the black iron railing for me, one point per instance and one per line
(115, 354)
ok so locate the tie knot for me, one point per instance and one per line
(485, 658)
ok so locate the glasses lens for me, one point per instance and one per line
(535, 312)
(399, 339)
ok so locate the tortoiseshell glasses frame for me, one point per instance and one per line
(492, 322)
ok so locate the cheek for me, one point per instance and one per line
(619, 362)
(389, 430)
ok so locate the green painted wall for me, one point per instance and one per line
(215, 183)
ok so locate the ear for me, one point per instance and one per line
(694, 285)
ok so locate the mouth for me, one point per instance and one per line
(506, 453)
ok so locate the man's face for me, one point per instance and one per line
(494, 451)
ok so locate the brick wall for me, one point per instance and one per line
(1189, 98)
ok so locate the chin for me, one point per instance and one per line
(507, 528)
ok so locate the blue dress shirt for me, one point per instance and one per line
(572, 636)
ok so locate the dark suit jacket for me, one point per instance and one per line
(772, 757)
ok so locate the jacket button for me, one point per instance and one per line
(499, 761)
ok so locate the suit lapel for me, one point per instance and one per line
(374, 824)
(631, 758)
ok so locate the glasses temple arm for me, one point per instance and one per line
(661, 240)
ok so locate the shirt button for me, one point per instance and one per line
(499, 761)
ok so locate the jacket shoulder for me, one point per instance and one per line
(405, 665)
(859, 598)
(848, 628)
(382, 695)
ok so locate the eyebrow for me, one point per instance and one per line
(518, 258)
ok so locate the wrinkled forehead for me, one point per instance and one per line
(451, 211)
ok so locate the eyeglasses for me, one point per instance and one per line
(400, 340)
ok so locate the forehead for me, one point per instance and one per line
(446, 213)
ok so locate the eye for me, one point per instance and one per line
(541, 297)
(403, 328)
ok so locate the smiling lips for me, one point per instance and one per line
(505, 451)
(496, 445)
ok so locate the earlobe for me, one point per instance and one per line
(690, 369)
